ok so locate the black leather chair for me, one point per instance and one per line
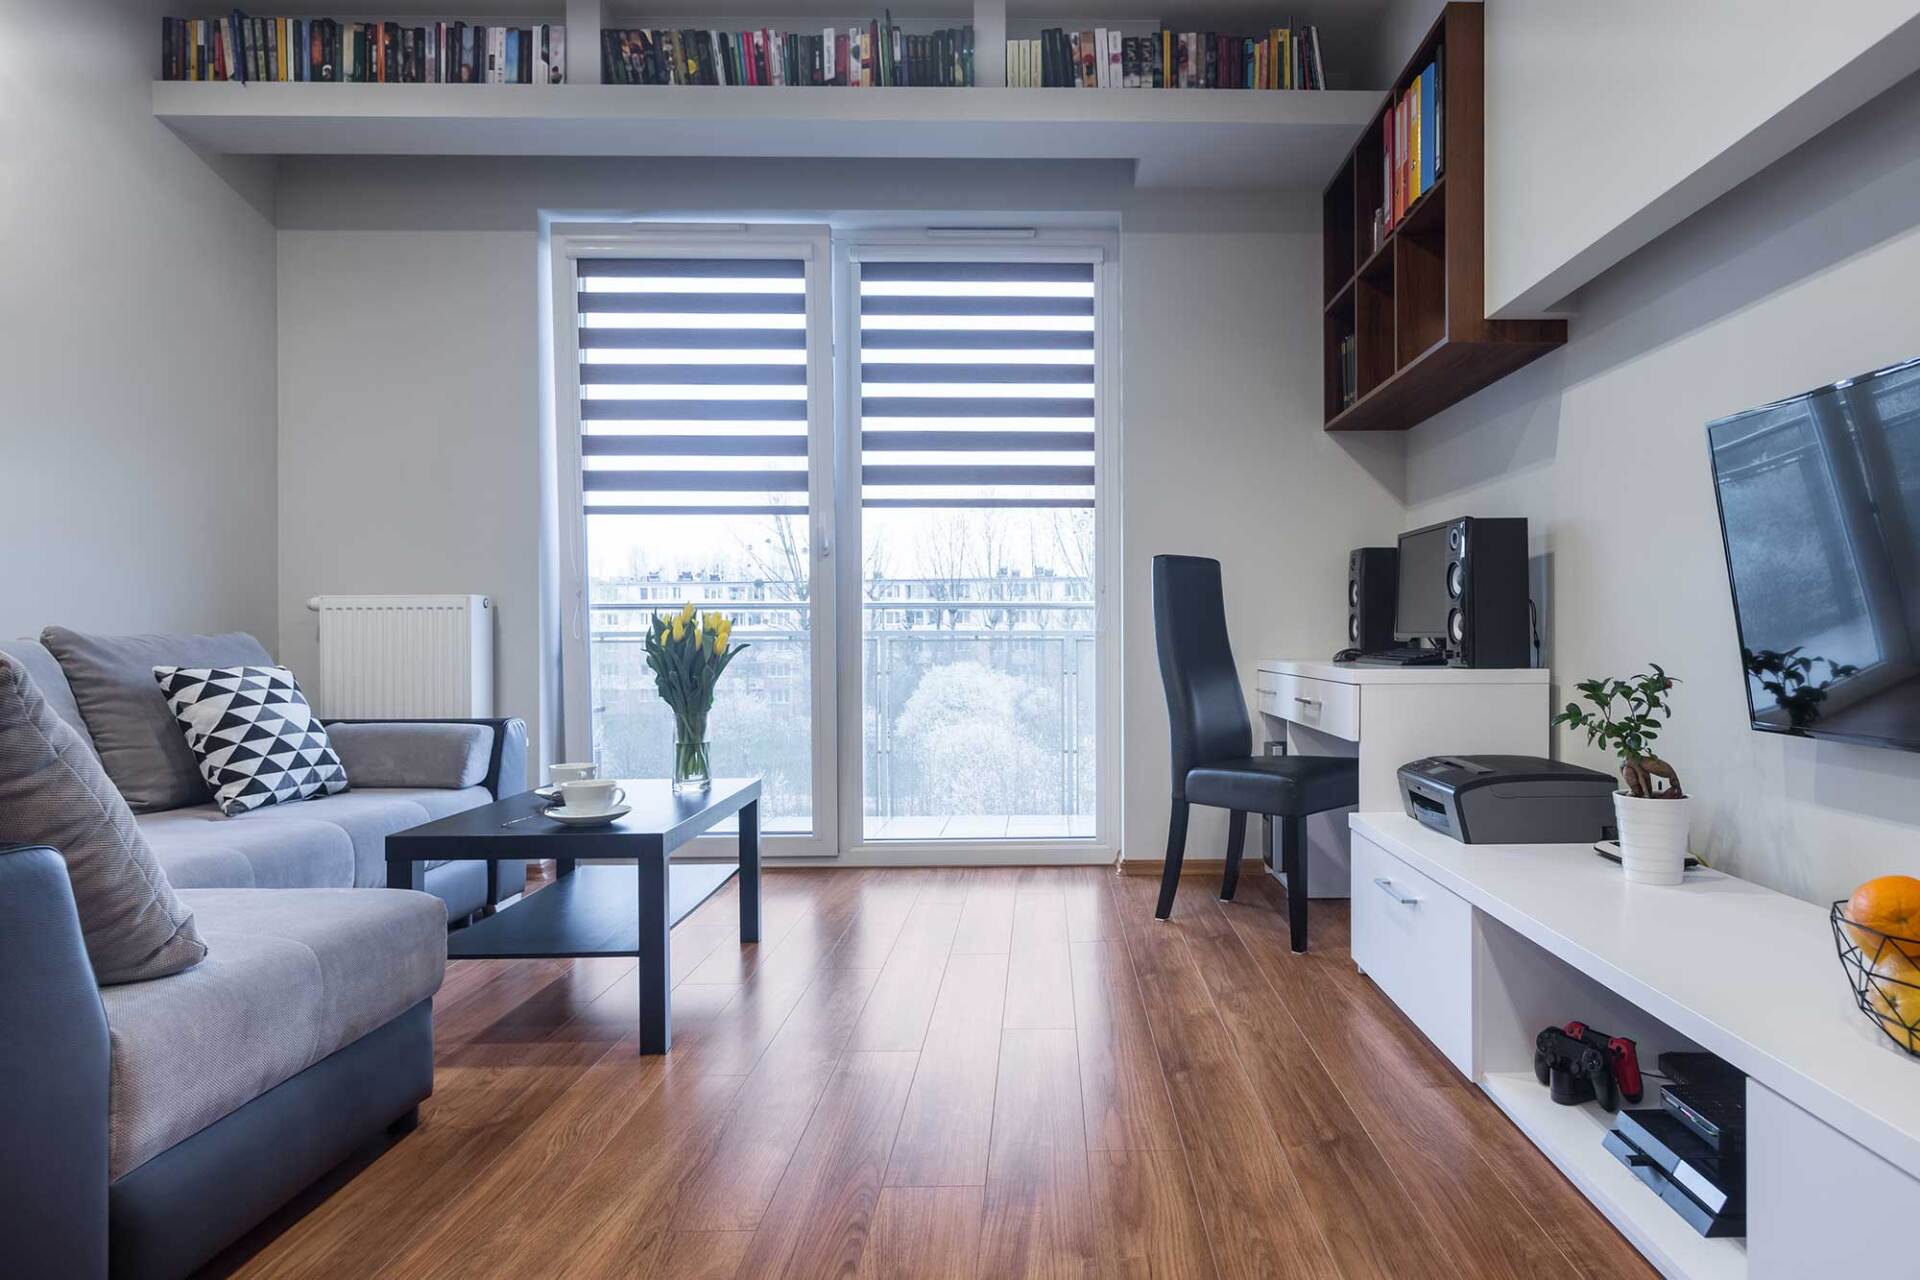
(1213, 760)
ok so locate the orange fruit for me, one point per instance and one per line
(1891, 905)
(1896, 997)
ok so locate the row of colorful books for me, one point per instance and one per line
(1283, 58)
(1412, 142)
(239, 47)
(877, 55)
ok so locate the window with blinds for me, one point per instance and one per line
(693, 385)
(976, 384)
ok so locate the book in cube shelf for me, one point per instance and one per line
(243, 48)
(1101, 58)
(878, 55)
(1412, 142)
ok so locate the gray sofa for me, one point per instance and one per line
(147, 1125)
(336, 841)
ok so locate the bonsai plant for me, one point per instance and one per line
(1650, 807)
(688, 652)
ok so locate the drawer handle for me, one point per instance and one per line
(1398, 895)
(1306, 702)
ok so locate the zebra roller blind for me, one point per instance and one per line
(693, 385)
(976, 384)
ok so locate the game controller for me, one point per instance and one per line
(1621, 1055)
(1573, 1071)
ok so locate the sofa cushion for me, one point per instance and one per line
(47, 676)
(53, 791)
(201, 848)
(398, 753)
(291, 976)
(370, 815)
(134, 732)
(255, 738)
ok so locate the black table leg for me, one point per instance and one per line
(405, 873)
(656, 981)
(750, 873)
(562, 867)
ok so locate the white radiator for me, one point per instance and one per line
(404, 656)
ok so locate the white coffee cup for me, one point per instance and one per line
(564, 773)
(591, 795)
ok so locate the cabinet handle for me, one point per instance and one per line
(1398, 895)
(1306, 702)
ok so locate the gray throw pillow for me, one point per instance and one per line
(140, 744)
(54, 792)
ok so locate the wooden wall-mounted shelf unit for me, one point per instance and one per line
(1415, 304)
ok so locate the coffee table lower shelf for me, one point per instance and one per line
(593, 912)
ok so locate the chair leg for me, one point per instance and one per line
(1176, 853)
(1236, 843)
(1293, 854)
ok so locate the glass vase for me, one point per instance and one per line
(691, 756)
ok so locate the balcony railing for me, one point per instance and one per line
(979, 710)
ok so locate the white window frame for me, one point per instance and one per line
(811, 243)
(1045, 245)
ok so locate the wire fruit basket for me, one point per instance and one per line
(1884, 971)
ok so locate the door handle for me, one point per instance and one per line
(1398, 895)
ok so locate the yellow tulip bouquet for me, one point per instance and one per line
(688, 651)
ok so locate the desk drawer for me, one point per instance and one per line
(1317, 704)
(1415, 940)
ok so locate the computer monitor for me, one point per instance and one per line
(1421, 604)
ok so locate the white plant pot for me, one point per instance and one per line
(1653, 837)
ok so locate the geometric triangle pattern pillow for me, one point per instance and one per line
(256, 738)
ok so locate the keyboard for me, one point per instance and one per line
(1405, 656)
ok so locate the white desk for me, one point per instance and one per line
(1483, 945)
(1386, 716)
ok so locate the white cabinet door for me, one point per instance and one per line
(1415, 940)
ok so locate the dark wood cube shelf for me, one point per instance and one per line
(1416, 303)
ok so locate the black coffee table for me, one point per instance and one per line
(597, 910)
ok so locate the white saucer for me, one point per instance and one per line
(574, 818)
(550, 794)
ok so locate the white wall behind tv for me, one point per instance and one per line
(136, 304)
(409, 344)
(1805, 275)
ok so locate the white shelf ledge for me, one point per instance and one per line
(1175, 137)
(1570, 1137)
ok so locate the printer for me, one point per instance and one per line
(1509, 799)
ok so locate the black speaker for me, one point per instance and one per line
(1373, 579)
(1489, 622)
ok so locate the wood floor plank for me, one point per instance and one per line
(1091, 915)
(925, 1233)
(822, 1216)
(947, 1127)
(1038, 1214)
(1123, 1091)
(880, 911)
(1258, 1221)
(698, 1255)
(1146, 1222)
(732, 1190)
(896, 1016)
(986, 920)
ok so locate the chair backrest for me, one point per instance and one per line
(1205, 708)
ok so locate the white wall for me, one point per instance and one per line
(1805, 275)
(397, 275)
(1609, 123)
(137, 304)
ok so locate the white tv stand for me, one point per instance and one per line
(1483, 945)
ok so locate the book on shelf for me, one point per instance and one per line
(1103, 58)
(243, 48)
(1349, 370)
(1413, 142)
(877, 55)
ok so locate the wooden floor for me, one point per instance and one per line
(950, 1073)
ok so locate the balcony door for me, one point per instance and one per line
(697, 469)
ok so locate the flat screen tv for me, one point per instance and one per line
(1820, 513)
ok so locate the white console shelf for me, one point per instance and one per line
(1198, 137)
(1482, 945)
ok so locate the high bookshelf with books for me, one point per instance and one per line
(1404, 232)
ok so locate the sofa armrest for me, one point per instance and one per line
(506, 773)
(55, 1069)
(436, 755)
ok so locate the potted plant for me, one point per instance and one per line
(688, 652)
(1650, 808)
